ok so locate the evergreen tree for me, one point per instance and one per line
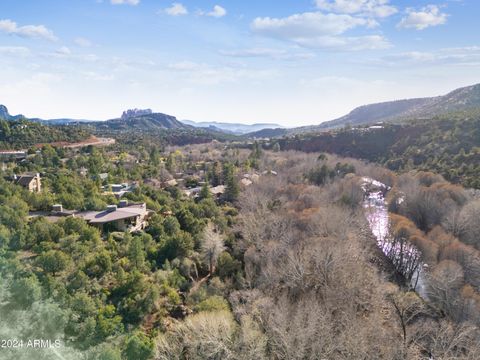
(232, 188)
(216, 174)
(205, 192)
(136, 253)
(171, 164)
(138, 347)
(53, 261)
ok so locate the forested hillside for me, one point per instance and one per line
(448, 145)
(141, 122)
(21, 133)
(462, 99)
(17, 132)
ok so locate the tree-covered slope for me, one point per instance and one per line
(21, 133)
(466, 98)
(448, 144)
(144, 122)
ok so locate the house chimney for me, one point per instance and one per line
(111, 208)
(57, 208)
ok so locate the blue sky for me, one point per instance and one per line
(293, 62)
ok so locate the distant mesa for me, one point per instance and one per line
(143, 120)
(135, 112)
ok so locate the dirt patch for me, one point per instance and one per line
(91, 141)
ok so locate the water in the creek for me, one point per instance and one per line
(376, 211)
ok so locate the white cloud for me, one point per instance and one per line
(426, 17)
(28, 31)
(346, 43)
(126, 2)
(176, 9)
(14, 51)
(205, 74)
(92, 75)
(307, 25)
(253, 52)
(184, 66)
(373, 8)
(217, 12)
(411, 56)
(63, 51)
(318, 30)
(277, 54)
(83, 42)
(464, 56)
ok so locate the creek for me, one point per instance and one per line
(376, 212)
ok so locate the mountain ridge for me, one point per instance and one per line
(5, 115)
(145, 121)
(232, 128)
(397, 111)
(464, 98)
(134, 118)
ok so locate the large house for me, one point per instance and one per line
(32, 182)
(216, 191)
(13, 155)
(123, 217)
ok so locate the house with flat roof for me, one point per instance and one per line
(193, 192)
(117, 189)
(217, 191)
(32, 182)
(170, 183)
(12, 155)
(124, 217)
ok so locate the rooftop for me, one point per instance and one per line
(217, 190)
(106, 216)
(25, 179)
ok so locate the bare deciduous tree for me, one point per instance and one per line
(446, 340)
(408, 306)
(202, 336)
(444, 283)
(212, 246)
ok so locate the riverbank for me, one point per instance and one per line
(389, 254)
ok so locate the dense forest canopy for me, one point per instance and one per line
(21, 134)
(281, 265)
